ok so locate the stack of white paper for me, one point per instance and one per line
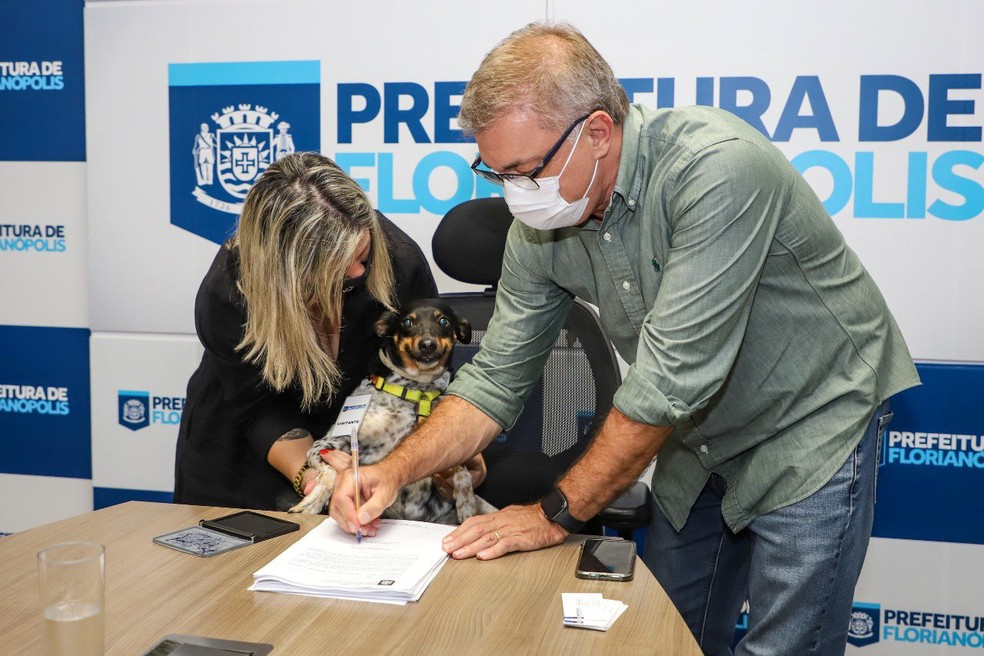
(394, 567)
(589, 610)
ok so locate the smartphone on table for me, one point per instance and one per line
(606, 559)
(250, 525)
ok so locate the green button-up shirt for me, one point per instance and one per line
(748, 324)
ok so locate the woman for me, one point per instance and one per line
(286, 314)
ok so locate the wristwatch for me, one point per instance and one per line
(554, 506)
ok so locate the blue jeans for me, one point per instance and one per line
(797, 565)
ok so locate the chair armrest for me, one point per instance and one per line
(629, 511)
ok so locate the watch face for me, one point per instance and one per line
(555, 508)
(554, 503)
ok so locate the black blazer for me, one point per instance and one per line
(231, 417)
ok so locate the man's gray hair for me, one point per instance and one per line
(546, 69)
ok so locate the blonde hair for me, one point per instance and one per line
(298, 233)
(548, 70)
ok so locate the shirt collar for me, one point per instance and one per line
(627, 183)
(627, 186)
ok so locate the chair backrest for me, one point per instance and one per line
(579, 379)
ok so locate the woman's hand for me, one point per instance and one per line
(337, 460)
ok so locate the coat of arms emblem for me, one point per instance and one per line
(240, 149)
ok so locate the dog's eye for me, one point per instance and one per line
(407, 322)
(443, 322)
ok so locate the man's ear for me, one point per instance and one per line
(386, 324)
(601, 129)
(463, 330)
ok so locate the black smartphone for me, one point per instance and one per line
(606, 560)
(250, 525)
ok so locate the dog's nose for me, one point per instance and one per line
(427, 346)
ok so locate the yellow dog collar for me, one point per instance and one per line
(421, 398)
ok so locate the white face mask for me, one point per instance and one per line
(544, 208)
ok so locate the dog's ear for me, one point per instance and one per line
(387, 323)
(463, 330)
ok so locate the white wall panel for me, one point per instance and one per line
(927, 594)
(927, 267)
(127, 122)
(136, 451)
(43, 244)
(30, 501)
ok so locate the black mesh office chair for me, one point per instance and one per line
(579, 380)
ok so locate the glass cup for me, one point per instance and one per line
(72, 591)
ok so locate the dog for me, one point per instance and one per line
(407, 377)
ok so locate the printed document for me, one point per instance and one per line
(395, 566)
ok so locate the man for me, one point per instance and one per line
(762, 354)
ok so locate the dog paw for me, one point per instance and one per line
(464, 495)
(308, 505)
(301, 508)
(484, 507)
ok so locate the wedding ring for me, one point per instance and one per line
(497, 536)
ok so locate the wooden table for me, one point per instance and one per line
(502, 607)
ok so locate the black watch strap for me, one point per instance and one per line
(555, 508)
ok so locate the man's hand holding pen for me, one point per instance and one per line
(374, 487)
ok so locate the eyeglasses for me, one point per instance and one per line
(525, 180)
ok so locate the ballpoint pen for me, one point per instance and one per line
(355, 478)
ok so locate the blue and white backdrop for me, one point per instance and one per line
(124, 162)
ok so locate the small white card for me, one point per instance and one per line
(590, 610)
(351, 416)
